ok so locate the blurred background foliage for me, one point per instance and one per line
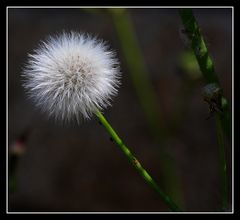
(159, 113)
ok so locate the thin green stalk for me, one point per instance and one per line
(223, 164)
(146, 95)
(205, 62)
(133, 160)
(138, 70)
(192, 30)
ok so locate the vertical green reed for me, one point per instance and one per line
(192, 30)
(223, 120)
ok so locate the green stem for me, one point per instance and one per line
(148, 100)
(223, 169)
(138, 70)
(135, 162)
(223, 121)
(192, 30)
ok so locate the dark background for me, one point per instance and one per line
(76, 167)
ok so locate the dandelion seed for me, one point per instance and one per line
(72, 75)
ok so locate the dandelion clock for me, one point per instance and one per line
(72, 75)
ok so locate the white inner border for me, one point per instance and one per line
(169, 7)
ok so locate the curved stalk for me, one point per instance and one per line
(223, 122)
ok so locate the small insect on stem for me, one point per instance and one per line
(212, 94)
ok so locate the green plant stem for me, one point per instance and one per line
(148, 100)
(138, 70)
(198, 45)
(223, 164)
(133, 160)
(192, 30)
(223, 121)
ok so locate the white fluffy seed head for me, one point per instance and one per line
(71, 75)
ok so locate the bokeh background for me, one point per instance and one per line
(76, 167)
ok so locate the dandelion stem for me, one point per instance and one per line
(147, 98)
(132, 159)
(205, 62)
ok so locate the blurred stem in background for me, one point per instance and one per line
(147, 97)
(138, 70)
(133, 160)
(223, 120)
(190, 75)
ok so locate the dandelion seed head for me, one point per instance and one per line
(72, 75)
